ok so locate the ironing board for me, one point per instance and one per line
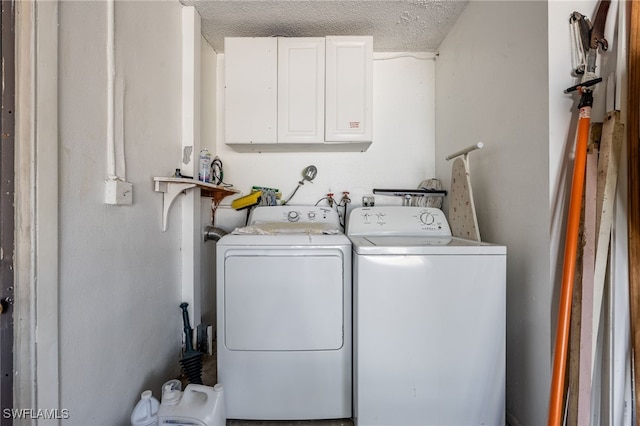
(462, 211)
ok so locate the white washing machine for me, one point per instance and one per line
(284, 316)
(429, 321)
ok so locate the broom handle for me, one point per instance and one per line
(188, 331)
(570, 255)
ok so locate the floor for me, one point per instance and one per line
(209, 379)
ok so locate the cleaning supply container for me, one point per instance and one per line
(145, 413)
(198, 405)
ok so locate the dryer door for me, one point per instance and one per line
(284, 300)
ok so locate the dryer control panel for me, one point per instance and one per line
(294, 214)
(397, 220)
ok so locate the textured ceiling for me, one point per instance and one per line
(396, 25)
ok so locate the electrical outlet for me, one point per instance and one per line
(118, 193)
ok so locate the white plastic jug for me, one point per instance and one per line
(171, 392)
(197, 405)
(145, 413)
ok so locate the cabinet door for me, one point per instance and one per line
(301, 89)
(349, 88)
(251, 78)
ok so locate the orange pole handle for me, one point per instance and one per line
(568, 271)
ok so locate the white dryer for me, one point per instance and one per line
(284, 316)
(429, 321)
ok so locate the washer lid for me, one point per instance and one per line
(419, 245)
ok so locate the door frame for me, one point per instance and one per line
(36, 329)
(7, 222)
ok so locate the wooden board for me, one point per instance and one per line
(633, 188)
(608, 162)
(579, 393)
(575, 328)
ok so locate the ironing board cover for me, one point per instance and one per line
(462, 211)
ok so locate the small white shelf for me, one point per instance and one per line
(172, 187)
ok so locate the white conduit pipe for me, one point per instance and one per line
(111, 72)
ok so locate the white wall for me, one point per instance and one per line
(120, 323)
(505, 82)
(401, 154)
(492, 87)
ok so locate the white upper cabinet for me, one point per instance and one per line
(306, 93)
(301, 90)
(251, 92)
(349, 81)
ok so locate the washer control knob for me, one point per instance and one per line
(427, 218)
(293, 216)
(311, 215)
